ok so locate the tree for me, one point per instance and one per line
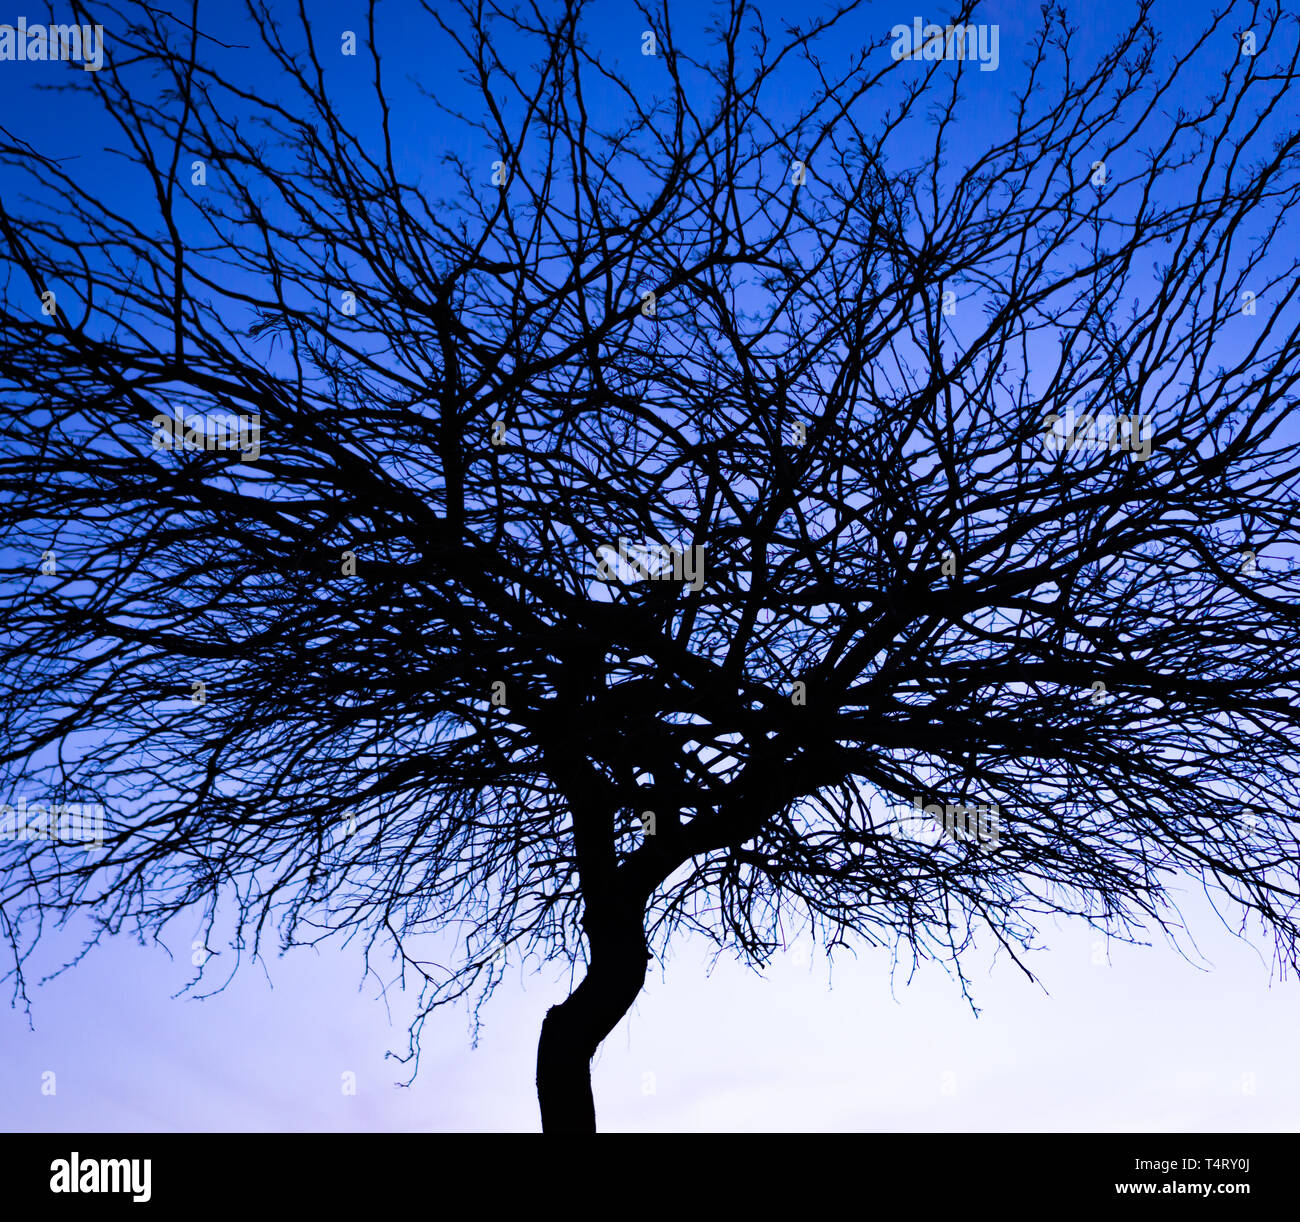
(650, 515)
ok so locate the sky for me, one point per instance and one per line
(1116, 1039)
(1136, 1039)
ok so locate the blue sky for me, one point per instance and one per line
(1133, 1038)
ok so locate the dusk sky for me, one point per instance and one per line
(1146, 1043)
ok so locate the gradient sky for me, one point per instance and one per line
(1146, 1042)
(1138, 1040)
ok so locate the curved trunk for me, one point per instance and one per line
(573, 1030)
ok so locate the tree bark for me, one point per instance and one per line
(573, 1030)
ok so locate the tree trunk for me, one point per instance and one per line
(573, 1030)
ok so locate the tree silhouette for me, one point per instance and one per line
(631, 522)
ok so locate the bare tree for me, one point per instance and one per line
(606, 537)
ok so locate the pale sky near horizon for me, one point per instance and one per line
(1148, 1043)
